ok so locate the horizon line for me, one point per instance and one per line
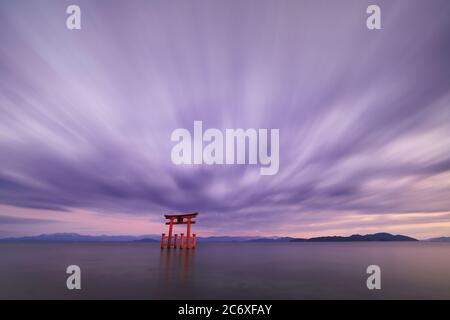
(211, 236)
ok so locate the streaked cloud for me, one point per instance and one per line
(86, 116)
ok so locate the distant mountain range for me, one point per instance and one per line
(74, 237)
(77, 237)
(357, 237)
(275, 239)
(440, 239)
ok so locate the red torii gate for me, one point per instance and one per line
(179, 219)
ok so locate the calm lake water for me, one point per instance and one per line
(415, 270)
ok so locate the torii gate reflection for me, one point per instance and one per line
(191, 242)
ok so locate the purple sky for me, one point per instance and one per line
(86, 116)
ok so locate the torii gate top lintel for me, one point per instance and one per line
(181, 216)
